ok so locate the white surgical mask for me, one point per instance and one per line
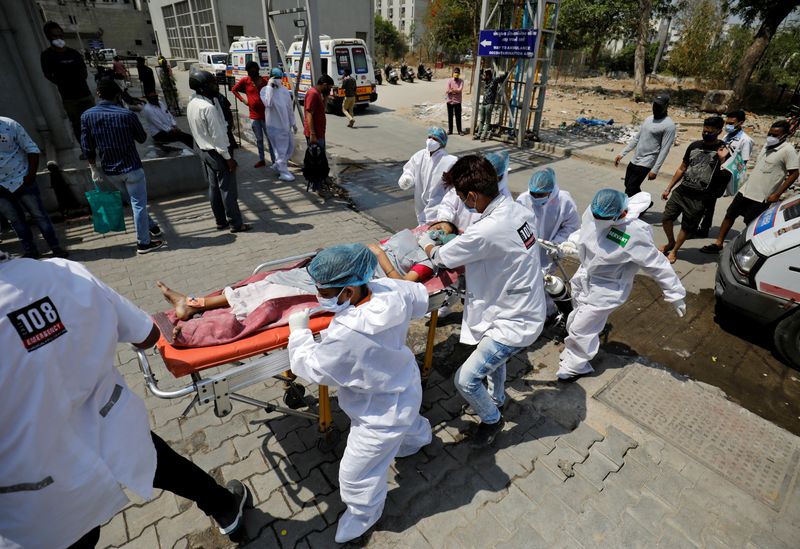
(332, 305)
(540, 202)
(432, 145)
(730, 128)
(58, 42)
(772, 140)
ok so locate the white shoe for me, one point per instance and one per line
(286, 176)
(444, 311)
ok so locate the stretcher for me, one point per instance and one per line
(265, 356)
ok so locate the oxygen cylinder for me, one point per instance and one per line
(555, 288)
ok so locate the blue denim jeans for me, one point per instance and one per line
(487, 361)
(13, 206)
(259, 128)
(133, 187)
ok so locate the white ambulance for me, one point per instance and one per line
(758, 276)
(243, 50)
(215, 62)
(336, 55)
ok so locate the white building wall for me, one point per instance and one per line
(405, 15)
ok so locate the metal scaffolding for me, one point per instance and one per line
(519, 115)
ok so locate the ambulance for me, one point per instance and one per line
(215, 62)
(758, 276)
(336, 55)
(243, 50)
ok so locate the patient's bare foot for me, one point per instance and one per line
(178, 300)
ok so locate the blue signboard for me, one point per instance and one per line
(507, 43)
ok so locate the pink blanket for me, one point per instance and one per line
(219, 326)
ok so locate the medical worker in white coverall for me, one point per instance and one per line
(612, 245)
(363, 353)
(280, 122)
(556, 217)
(504, 310)
(423, 172)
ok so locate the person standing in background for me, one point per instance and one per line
(455, 87)
(65, 68)
(146, 77)
(490, 86)
(349, 86)
(251, 85)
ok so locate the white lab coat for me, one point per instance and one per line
(363, 353)
(426, 170)
(505, 292)
(452, 209)
(73, 432)
(604, 279)
(280, 121)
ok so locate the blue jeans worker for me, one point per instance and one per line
(504, 311)
(19, 160)
(363, 353)
(111, 131)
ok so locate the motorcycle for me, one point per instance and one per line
(406, 74)
(392, 77)
(424, 73)
(379, 77)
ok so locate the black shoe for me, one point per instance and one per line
(231, 521)
(31, 255)
(60, 252)
(155, 230)
(468, 410)
(486, 433)
(147, 248)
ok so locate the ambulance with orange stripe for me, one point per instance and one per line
(336, 55)
(758, 275)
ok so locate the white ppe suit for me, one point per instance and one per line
(453, 210)
(279, 118)
(363, 353)
(611, 253)
(505, 292)
(555, 221)
(74, 434)
(425, 171)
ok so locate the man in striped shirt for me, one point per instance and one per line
(112, 131)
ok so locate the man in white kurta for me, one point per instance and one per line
(423, 172)
(73, 432)
(280, 122)
(364, 355)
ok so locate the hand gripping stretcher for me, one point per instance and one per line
(264, 355)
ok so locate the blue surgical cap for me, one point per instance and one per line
(542, 181)
(499, 161)
(343, 265)
(609, 203)
(438, 134)
(276, 73)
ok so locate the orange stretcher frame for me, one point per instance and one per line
(220, 389)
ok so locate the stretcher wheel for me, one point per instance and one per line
(328, 441)
(293, 396)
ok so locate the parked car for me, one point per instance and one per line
(215, 62)
(106, 54)
(758, 276)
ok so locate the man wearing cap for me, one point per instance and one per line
(652, 143)
(363, 354)
(279, 116)
(424, 172)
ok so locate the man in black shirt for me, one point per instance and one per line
(703, 177)
(146, 77)
(490, 85)
(65, 68)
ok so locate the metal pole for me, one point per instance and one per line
(475, 82)
(264, 11)
(299, 74)
(312, 16)
(663, 39)
(530, 83)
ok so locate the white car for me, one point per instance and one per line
(106, 54)
(758, 275)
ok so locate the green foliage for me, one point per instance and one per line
(623, 60)
(781, 62)
(389, 43)
(695, 52)
(587, 23)
(453, 25)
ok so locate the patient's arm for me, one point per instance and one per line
(388, 268)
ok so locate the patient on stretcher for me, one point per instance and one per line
(399, 257)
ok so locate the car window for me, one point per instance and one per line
(342, 60)
(247, 58)
(219, 58)
(360, 61)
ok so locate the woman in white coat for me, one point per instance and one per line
(280, 122)
(556, 216)
(612, 244)
(363, 353)
(423, 172)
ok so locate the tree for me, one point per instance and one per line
(390, 43)
(592, 23)
(781, 62)
(643, 32)
(454, 24)
(696, 50)
(771, 14)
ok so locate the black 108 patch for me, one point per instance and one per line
(526, 234)
(37, 324)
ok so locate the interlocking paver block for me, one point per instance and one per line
(549, 519)
(561, 461)
(668, 485)
(148, 540)
(616, 445)
(538, 482)
(113, 533)
(596, 529)
(595, 469)
(291, 531)
(649, 512)
(524, 536)
(673, 539)
(765, 540)
(574, 493)
(139, 517)
(581, 439)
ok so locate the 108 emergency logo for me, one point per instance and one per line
(37, 324)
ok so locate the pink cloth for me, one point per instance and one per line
(454, 90)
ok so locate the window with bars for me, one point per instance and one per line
(204, 25)
(186, 29)
(173, 36)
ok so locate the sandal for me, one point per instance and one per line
(711, 249)
(223, 227)
(244, 227)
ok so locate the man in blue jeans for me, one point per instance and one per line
(112, 131)
(19, 159)
(504, 311)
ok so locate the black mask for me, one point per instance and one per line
(659, 111)
(709, 137)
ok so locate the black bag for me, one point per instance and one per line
(315, 167)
